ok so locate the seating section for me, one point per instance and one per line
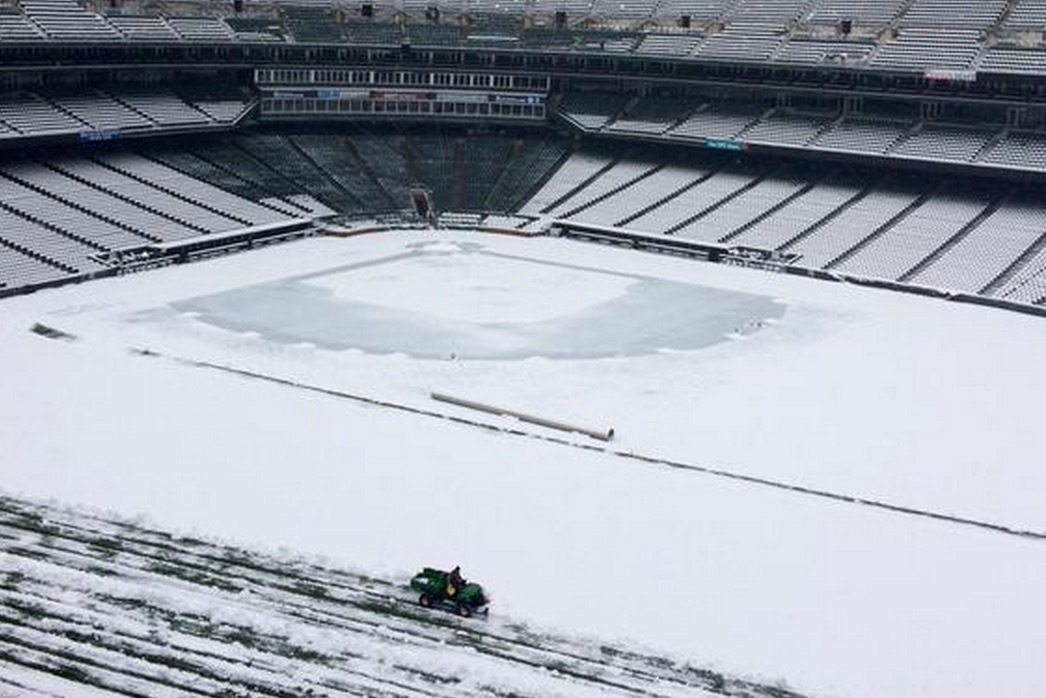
(335, 157)
(25, 223)
(591, 110)
(678, 118)
(16, 27)
(972, 14)
(17, 267)
(446, 5)
(220, 110)
(636, 10)
(1028, 283)
(201, 29)
(366, 174)
(787, 128)
(225, 206)
(1013, 60)
(368, 33)
(905, 35)
(918, 49)
(710, 191)
(814, 52)
(743, 208)
(916, 237)
(383, 158)
(31, 115)
(669, 44)
(59, 257)
(622, 174)
(162, 200)
(628, 202)
(943, 144)
(71, 112)
(862, 135)
(745, 42)
(721, 120)
(876, 13)
(1027, 15)
(143, 28)
(66, 20)
(434, 163)
(124, 208)
(858, 221)
(480, 161)
(312, 24)
(803, 212)
(697, 10)
(651, 115)
(278, 153)
(580, 167)
(163, 108)
(222, 175)
(100, 111)
(933, 34)
(433, 35)
(778, 12)
(1018, 149)
(255, 29)
(222, 163)
(989, 249)
(59, 213)
(529, 163)
(28, 196)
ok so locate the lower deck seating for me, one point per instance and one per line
(622, 174)
(19, 269)
(988, 250)
(578, 168)
(528, 164)
(621, 206)
(713, 186)
(334, 156)
(1027, 284)
(279, 154)
(804, 212)
(913, 239)
(60, 214)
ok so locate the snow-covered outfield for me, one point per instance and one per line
(911, 401)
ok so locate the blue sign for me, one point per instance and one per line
(724, 144)
(99, 135)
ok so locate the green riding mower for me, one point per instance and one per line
(437, 591)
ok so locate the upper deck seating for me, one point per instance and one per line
(143, 28)
(66, 20)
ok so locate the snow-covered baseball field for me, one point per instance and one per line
(911, 402)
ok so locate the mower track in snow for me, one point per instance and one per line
(93, 605)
